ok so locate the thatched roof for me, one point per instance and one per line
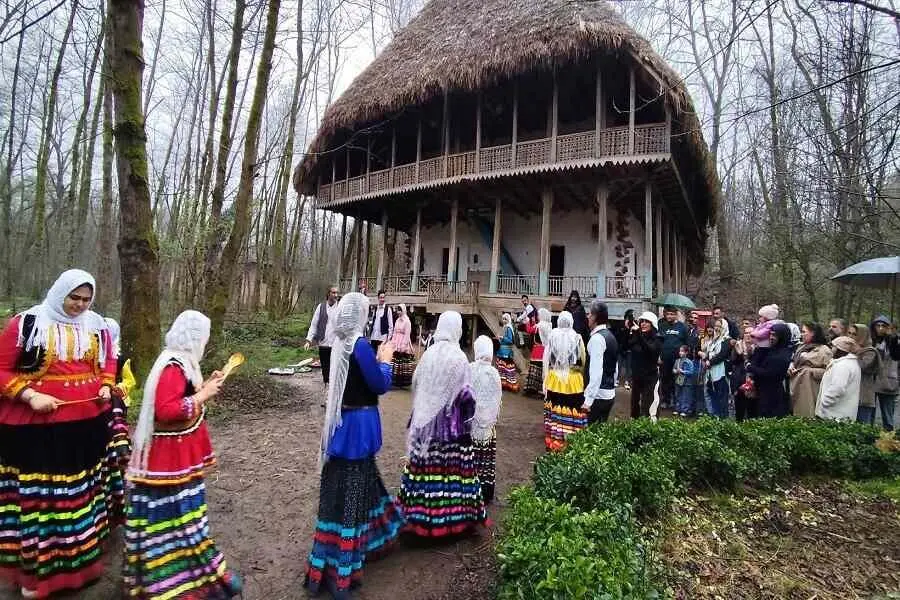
(464, 45)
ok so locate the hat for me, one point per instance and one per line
(846, 343)
(769, 312)
(649, 317)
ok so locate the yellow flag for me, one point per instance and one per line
(128, 382)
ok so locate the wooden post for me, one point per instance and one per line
(418, 147)
(602, 241)
(648, 240)
(598, 115)
(357, 248)
(333, 176)
(658, 258)
(451, 258)
(445, 133)
(671, 261)
(631, 105)
(554, 108)
(393, 154)
(340, 268)
(544, 272)
(677, 243)
(478, 133)
(495, 250)
(417, 251)
(368, 161)
(382, 251)
(368, 254)
(515, 122)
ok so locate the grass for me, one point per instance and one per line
(886, 487)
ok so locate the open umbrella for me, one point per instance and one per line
(875, 273)
(676, 300)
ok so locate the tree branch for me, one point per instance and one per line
(871, 6)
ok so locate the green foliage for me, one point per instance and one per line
(576, 533)
(264, 343)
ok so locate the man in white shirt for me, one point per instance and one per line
(600, 365)
(381, 325)
(321, 330)
(527, 311)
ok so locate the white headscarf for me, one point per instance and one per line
(563, 349)
(441, 375)
(49, 315)
(115, 333)
(185, 342)
(486, 388)
(545, 324)
(349, 325)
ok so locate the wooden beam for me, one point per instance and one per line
(631, 109)
(445, 133)
(368, 255)
(598, 113)
(658, 249)
(495, 250)
(544, 272)
(648, 240)
(340, 268)
(602, 240)
(357, 248)
(333, 176)
(417, 250)
(382, 251)
(554, 108)
(418, 147)
(454, 221)
(478, 132)
(515, 121)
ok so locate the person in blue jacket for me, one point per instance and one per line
(685, 371)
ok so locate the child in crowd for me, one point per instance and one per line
(685, 371)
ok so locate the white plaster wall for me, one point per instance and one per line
(522, 237)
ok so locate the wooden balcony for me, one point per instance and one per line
(649, 140)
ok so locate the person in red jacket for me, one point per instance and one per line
(168, 551)
(60, 489)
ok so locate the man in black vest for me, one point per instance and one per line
(321, 330)
(600, 366)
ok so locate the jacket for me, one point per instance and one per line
(839, 392)
(768, 369)
(673, 336)
(889, 349)
(645, 350)
(810, 362)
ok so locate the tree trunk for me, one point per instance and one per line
(138, 251)
(7, 192)
(105, 281)
(219, 295)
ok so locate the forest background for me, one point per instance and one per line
(153, 143)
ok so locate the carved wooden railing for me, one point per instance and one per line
(625, 287)
(614, 141)
(586, 285)
(517, 284)
(442, 291)
(398, 284)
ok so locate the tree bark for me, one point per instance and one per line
(218, 297)
(138, 250)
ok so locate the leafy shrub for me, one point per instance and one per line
(575, 534)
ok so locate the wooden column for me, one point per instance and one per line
(599, 115)
(368, 160)
(658, 249)
(544, 272)
(602, 241)
(417, 251)
(340, 266)
(368, 254)
(631, 105)
(393, 154)
(357, 248)
(478, 133)
(445, 133)
(672, 262)
(451, 258)
(382, 251)
(515, 121)
(418, 147)
(648, 240)
(666, 252)
(495, 250)
(333, 175)
(554, 121)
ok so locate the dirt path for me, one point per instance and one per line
(264, 497)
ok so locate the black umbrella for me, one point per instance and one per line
(874, 273)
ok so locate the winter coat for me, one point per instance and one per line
(889, 350)
(738, 359)
(810, 362)
(839, 393)
(768, 367)
(645, 350)
(869, 366)
(579, 320)
(674, 336)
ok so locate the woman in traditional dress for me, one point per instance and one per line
(358, 519)
(506, 366)
(404, 361)
(439, 489)
(120, 443)
(168, 550)
(564, 357)
(59, 491)
(488, 397)
(534, 383)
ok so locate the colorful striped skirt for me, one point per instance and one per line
(403, 366)
(534, 383)
(168, 550)
(562, 417)
(60, 494)
(358, 522)
(486, 466)
(440, 491)
(509, 377)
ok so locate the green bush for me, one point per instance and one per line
(575, 534)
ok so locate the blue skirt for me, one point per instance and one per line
(359, 435)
